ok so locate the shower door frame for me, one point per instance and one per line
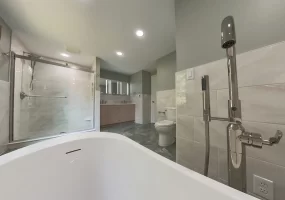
(46, 60)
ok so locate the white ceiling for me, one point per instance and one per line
(96, 27)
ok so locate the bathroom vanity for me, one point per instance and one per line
(116, 113)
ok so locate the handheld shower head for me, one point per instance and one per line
(228, 34)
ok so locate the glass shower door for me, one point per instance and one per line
(51, 99)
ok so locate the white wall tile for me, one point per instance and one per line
(263, 103)
(137, 100)
(194, 107)
(262, 66)
(269, 171)
(4, 114)
(217, 72)
(223, 165)
(165, 98)
(185, 127)
(193, 154)
(184, 149)
(180, 81)
(259, 67)
(218, 134)
(180, 161)
(273, 154)
(48, 116)
(198, 159)
(261, 78)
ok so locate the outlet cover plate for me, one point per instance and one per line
(263, 187)
(190, 74)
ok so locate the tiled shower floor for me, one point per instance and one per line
(144, 134)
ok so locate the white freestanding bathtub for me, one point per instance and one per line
(102, 166)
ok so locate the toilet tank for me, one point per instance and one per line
(171, 113)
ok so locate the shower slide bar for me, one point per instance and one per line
(24, 95)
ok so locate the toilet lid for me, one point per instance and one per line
(164, 123)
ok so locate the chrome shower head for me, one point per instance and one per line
(228, 34)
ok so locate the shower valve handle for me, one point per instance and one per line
(255, 139)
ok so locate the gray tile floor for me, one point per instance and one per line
(144, 134)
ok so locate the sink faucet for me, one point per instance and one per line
(237, 136)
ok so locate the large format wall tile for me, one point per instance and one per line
(165, 98)
(193, 154)
(263, 103)
(4, 115)
(217, 72)
(223, 165)
(259, 67)
(269, 171)
(185, 127)
(273, 154)
(180, 81)
(47, 116)
(217, 132)
(193, 105)
(262, 66)
(184, 150)
(261, 78)
(198, 159)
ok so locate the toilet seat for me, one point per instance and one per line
(164, 123)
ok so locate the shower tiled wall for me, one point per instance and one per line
(165, 98)
(48, 115)
(4, 115)
(142, 107)
(261, 78)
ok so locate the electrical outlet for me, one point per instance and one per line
(263, 187)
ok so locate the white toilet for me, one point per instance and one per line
(166, 129)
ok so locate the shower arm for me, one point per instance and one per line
(24, 95)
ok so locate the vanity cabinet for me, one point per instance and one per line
(113, 114)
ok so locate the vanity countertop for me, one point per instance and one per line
(117, 104)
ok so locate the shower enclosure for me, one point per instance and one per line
(49, 98)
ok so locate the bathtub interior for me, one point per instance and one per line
(104, 169)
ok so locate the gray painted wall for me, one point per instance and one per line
(166, 68)
(5, 46)
(198, 23)
(114, 76)
(136, 83)
(146, 82)
(140, 83)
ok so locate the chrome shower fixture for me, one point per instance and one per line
(237, 136)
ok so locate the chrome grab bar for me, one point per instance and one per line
(24, 95)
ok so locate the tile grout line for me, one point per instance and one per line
(281, 166)
(262, 122)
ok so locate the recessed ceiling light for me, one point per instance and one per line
(119, 53)
(139, 33)
(65, 55)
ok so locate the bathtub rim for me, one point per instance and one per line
(208, 182)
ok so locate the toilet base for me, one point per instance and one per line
(165, 140)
